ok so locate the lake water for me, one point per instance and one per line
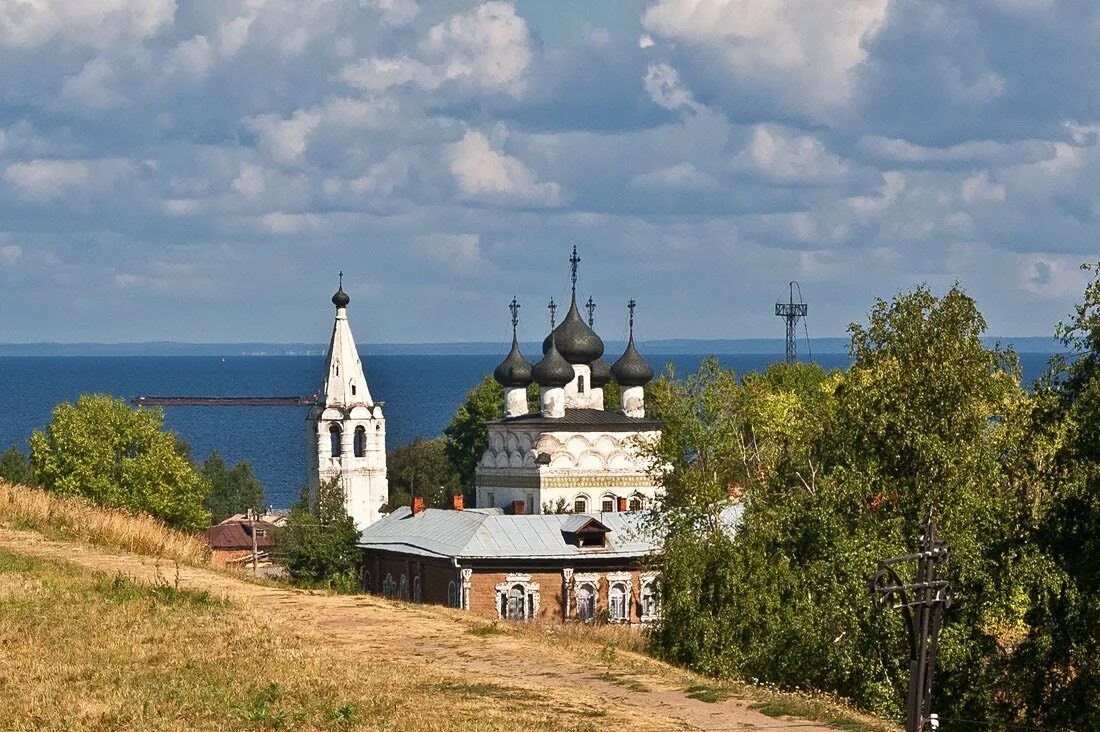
(420, 395)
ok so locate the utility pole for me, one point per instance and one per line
(922, 603)
(791, 311)
(252, 525)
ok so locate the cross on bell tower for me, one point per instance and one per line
(591, 307)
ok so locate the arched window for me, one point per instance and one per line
(616, 602)
(580, 384)
(334, 435)
(452, 594)
(580, 504)
(607, 504)
(649, 602)
(403, 588)
(353, 389)
(518, 597)
(389, 587)
(416, 589)
(366, 581)
(360, 441)
(586, 601)
(635, 503)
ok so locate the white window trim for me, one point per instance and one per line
(583, 578)
(531, 594)
(389, 587)
(626, 580)
(648, 579)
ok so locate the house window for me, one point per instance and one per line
(353, 389)
(366, 581)
(635, 503)
(416, 589)
(586, 601)
(403, 588)
(360, 441)
(607, 505)
(389, 587)
(334, 440)
(616, 602)
(452, 594)
(580, 504)
(518, 597)
(649, 601)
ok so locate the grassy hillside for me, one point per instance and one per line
(68, 517)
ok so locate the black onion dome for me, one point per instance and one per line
(341, 299)
(631, 369)
(601, 373)
(553, 370)
(514, 370)
(576, 342)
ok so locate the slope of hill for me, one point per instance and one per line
(92, 638)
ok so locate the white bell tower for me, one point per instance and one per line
(347, 429)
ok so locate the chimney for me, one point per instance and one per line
(517, 508)
(622, 504)
(459, 502)
(417, 505)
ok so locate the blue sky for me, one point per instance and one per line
(201, 169)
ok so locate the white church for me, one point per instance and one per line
(571, 455)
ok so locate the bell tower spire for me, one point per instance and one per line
(347, 428)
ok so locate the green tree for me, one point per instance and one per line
(421, 466)
(103, 450)
(232, 490)
(317, 545)
(838, 471)
(467, 436)
(15, 467)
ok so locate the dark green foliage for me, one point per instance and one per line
(467, 437)
(421, 466)
(317, 545)
(840, 470)
(232, 490)
(15, 467)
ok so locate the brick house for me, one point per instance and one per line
(549, 567)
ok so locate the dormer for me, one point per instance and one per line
(585, 532)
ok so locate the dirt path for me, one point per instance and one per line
(366, 625)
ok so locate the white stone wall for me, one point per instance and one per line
(363, 477)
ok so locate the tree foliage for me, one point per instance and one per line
(232, 490)
(421, 466)
(317, 545)
(15, 467)
(839, 470)
(104, 450)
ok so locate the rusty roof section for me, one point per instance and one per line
(235, 535)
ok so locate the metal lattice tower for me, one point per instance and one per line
(792, 311)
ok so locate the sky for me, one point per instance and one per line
(201, 170)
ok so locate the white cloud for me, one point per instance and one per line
(789, 158)
(487, 49)
(803, 50)
(662, 83)
(396, 12)
(93, 86)
(193, 58)
(979, 189)
(10, 254)
(42, 180)
(95, 23)
(286, 140)
(485, 173)
(986, 151)
(251, 183)
(683, 176)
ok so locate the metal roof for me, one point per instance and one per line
(476, 534)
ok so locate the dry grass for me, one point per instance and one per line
(67, 517)
(90, 651)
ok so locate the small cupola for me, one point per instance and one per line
(553, 371)
(631, 369)
(515, 370)
(340, 298)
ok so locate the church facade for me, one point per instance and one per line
(572, 455)
(347, 430)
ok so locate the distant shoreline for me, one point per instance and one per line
(718, 347)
